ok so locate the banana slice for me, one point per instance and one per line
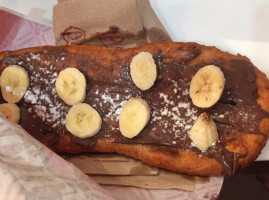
(83, 121)
(207, 86)
(134, 117)
(14, 83)
(11, 111)
(71, 86)
(143, 70)
(204, 132)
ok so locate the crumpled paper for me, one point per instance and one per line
(29, 170)
(17, 33)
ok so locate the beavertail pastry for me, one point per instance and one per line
(180, 106)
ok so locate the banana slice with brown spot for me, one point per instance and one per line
(207, 86)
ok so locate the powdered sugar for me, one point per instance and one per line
(42, 94)
(31, 96)
(174, 112)
(177, 117)
(185, 92)
(8, 88)
(47, 62)
(34, 57)
(115, 106)
(193, 144)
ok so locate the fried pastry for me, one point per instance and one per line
(235, 120)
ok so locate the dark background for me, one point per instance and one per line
(249, 184)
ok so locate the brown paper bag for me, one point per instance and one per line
(110, 23)
(164, 180)
(114, 169)
(110, 164)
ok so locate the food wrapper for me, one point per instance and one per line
(29, 170)
(202, 191)
(110, 164)
(116, 169)
(46, 166)
(110, 23)
(17, 33)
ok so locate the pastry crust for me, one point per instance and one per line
(175, 159)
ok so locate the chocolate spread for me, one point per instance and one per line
(172, 112)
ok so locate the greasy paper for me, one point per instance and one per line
(110, 23)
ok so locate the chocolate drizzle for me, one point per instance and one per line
(172, 113)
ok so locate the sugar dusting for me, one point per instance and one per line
(47, 108)
(115, 105)
(8, 88)
(176, 115)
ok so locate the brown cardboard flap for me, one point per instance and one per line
(164, 180)
(201, 179)
(114, 169)
(110, 164)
